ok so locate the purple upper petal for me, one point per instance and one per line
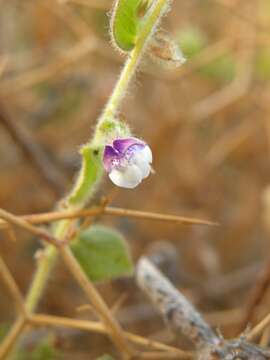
(109, 155)
(122, 145)
(120, 152)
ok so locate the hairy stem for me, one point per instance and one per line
(44, 267)
(78, 194)
(134, 58)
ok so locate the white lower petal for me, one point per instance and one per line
(143, 159)
(145, 168)
(129, 178)
(147, 154)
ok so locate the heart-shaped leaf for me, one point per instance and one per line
(102, 253)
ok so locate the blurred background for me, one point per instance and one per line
(209, 128)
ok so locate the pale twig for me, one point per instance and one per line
(85, 307)
(182, 318)
(180, 315)
(113, 211)
(97, 301)
(12, 286)
(98, 327)
(234, 350)
(118, 303)
(20, 222)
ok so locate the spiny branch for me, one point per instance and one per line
(111, 211)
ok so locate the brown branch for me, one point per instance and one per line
(157, 217)
(22, 223)
(97, 301)
(112, 211)
(98, 327)
(12, 286)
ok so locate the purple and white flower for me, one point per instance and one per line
(127, 161)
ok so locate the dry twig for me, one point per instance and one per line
(12, 286)
(98, 327)
(101, 308)
(24, 224)
(113, 211)
(180, 315)
(183, 318)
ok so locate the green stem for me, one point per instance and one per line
(49, 257)
(44, 267)
(148, 27)
(42, 274)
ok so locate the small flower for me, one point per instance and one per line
(128, 161)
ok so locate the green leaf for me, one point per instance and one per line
(102, 253)
(90, 175)
(124, 23)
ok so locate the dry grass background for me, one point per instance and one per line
(211, 142)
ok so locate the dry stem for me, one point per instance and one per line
(179, 314)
